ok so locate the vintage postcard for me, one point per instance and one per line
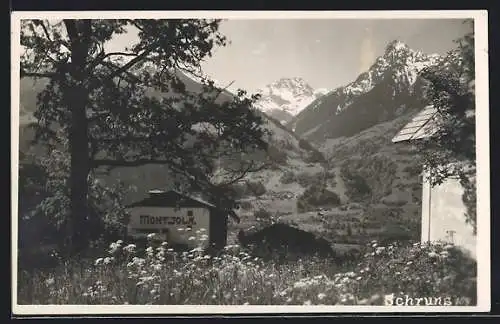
(250, 162)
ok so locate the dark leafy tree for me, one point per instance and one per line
(133, 107)
(451, 151)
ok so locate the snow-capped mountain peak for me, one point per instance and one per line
(287, 97)
(399, 60)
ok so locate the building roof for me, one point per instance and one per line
(422, 125)
(176, 199)
(171, 198)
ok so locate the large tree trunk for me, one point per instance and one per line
(77, 97)
(79, 174)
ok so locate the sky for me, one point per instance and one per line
(327, 53)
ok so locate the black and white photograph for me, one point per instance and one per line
(250, 162)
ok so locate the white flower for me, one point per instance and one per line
(130, 248)
(98, 261)
(151, 235)
(321, 296)
(299, 285)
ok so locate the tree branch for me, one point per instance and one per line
(45, 30)
(132, 62)
(38, 75)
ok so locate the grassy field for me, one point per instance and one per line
(159, 275)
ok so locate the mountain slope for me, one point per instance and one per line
(286, 97)
(390, 87)
(284, 144)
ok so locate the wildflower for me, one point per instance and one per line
(113, 247)
(359, 278)
(192, 238)
(180, 229)
(284, 292)
(444, 254)
(246, 303)
(151, 236)
(149, 249)
(432, 254)
(409, 262)
(98, 261)
(299, 285)
(379, 250)
(130, 248)
(50, 281)
(107, 260)
(119, 242)
(321, 296)
(448, 246)
(307, 302)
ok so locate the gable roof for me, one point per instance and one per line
(171, 198)
(422, 125)
(174, 198)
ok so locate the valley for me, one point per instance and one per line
(338, 141)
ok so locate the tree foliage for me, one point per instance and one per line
(134, 107)
(451, 151)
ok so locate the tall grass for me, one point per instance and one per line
(160, 275)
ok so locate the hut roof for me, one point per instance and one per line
(422, 125)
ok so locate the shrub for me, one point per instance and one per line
(356, 186)
(159, 275)
(305, 145)
(246, 205)
(287, 177)
(256, 188)
(315, 157)
(316, 196)
(262, 214)
(277, 156)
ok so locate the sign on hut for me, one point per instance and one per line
(443, 208)
(177, 219)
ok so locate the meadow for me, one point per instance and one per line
(157, 274)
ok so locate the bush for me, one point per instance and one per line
(256, 188)
(159, 275)
(356, 186)
(248, 189)
(262, 214)
(315, 157)
(246, 205)
(277, 156)
(316, 196)
(305, 145)
(288, 177)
